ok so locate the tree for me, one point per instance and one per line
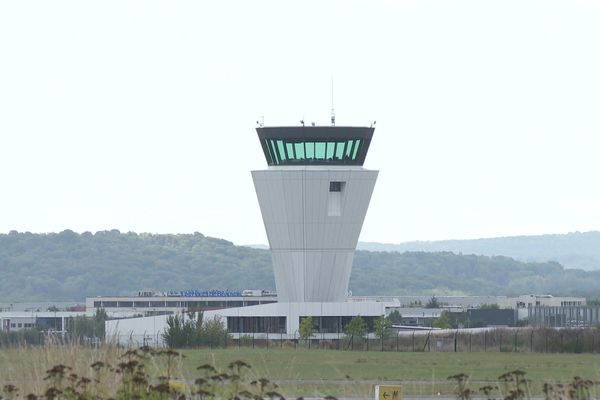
(87, 328)
(306, 328)
(195, 331)
(176, 335)
(433, 303)
(383, 325)
(356, 327)
(395, 317)
(443, 321)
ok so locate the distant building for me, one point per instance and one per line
(563, 316)
(537, 300)
(491, 317)
(151, 303)
(48, 321)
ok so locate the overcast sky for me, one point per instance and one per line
(140, 115)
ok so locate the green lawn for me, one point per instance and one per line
(312, 372)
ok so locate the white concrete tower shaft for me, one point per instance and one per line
(313, 198)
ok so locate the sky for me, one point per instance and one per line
(140, 115)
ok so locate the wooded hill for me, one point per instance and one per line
(70, 266)
(573, 250)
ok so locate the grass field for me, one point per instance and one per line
(312, 372)
(318, 372)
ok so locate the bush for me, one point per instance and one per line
(193, 331)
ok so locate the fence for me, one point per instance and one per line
(540, 340)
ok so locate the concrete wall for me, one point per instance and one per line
(313, 232)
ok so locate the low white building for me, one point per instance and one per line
(537, 300)
(277, 321)
(149, 303)
(14, 321)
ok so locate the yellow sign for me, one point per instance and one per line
(388, 392)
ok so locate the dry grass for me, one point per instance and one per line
(302, 372)
(27, 366)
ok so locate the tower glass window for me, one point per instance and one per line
(315, 145)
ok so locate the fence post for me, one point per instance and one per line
(413, 341)
(429, 342)
(455, 340)
(531, 342)
(484, 341)
(470, 335)
(396, 342)
(546, 341)
(562, 348)
(516, 341)
(500, 344)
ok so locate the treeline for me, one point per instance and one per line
(579, 250)
(68, 266)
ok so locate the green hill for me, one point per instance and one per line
(573, 250)
(71, 266)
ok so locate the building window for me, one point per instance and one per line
(335, 186)
(317, 151)
(256, 324)
(334, 203)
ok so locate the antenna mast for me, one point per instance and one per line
(332, 109)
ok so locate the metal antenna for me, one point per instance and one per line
(332, 109)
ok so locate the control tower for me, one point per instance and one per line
(313, 198)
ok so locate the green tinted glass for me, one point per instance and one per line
(320, 150)
(271, 144)
(281, 150)
(270, 152)
(339, 150)
(356, 146)
(290, 151)
(299, 148)
(310, 150)
(349, 147)
(330, 150)
(294, 152)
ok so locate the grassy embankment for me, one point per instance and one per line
(319, 372)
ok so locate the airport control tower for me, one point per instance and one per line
(313, 198)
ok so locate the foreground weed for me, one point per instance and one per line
(516, 387)
(130, 378)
